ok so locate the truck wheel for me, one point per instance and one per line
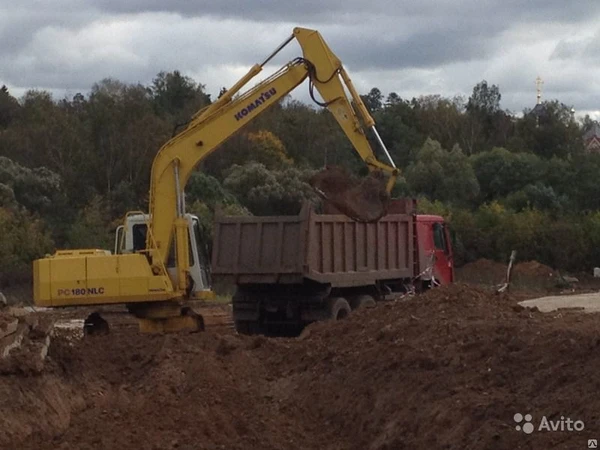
(362, 301)
(338, 308)
(248, 327)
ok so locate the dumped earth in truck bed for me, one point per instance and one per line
(448, 369)
(364, 200)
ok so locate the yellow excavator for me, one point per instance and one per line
(156, 265)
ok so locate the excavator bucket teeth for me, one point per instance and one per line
(363, 200)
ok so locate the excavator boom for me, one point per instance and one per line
(177, 159)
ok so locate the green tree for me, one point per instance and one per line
(440, 118)
(485, 99)
(485, 124)
(9, 107)
(581, 183)
(550, 130)
(125, 135)
(260, 146)
(537, 196)
(207, 190)
(177, 96)
(52, 135)
(24, 239)
(373, 100)
(393, 99)
(501, 172)
(35, 189)
(310, 136)
(269, 192)
(397, 124)
(442, 175)
(92, 227)
(267, 149)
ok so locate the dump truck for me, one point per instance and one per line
(290, 271)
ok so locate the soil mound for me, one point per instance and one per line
(450, 369)
(534, 269)
(527, 274)
(447, 369)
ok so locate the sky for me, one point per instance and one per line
(413, 48)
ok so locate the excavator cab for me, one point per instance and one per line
(131, 238)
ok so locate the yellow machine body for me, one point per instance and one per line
(94, 277)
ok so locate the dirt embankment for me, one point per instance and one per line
(448, 369)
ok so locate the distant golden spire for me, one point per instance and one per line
(538, 84)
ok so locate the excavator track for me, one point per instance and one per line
(166, 317)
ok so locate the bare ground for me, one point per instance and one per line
(448, 369)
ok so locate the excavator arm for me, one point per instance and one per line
(211, 126)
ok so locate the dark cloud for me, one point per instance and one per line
(413, 48)
(314, 11)
(19, 25)
(424, 49)
(332, 11)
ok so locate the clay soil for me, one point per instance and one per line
(445, 370)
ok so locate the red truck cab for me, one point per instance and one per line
(435, 249)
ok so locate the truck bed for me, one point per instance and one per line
(326, 248)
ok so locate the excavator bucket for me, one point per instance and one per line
(363, 200)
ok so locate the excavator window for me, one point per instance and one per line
(139, 236)
(139, 243)
(119, 240)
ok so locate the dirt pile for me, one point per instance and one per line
(534, 269)
(448, 369)
(364, 200)
(527, 274)
(190, 391)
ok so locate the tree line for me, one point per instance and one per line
(71, 168)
